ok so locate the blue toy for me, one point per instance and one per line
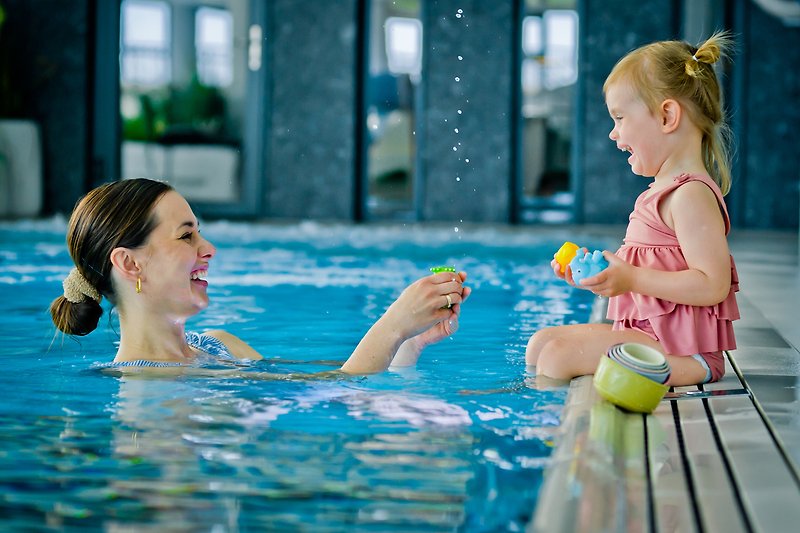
(587, 265)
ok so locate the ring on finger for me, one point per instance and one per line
(449, 301)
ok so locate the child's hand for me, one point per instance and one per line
(614, 280)
(567, 274)
(556, 266)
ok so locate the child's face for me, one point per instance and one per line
(636, 130)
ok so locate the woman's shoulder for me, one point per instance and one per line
(221, 343)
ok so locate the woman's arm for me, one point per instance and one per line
(417, 318)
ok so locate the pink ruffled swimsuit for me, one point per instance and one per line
(681, 329)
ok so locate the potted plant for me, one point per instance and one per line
(20, 144)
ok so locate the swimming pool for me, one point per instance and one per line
(457, 443)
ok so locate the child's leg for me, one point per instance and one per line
(564, 352)
(686, 370)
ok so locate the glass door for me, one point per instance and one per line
(190, 99)
(394, 66)
(549, 75)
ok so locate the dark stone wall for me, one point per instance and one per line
(472, 182)
(49, 41)
(310, 146)
(310, 160)
(768, 95)
(610, 29)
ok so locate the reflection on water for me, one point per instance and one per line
(459, 442)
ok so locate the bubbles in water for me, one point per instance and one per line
(459, 13)
(455, 130)
(460, 58)
(458, 178)
(455, 229)
(466, 160)
(459, 111)
(455, 149)
(457, 78)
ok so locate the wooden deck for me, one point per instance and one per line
(707, 459)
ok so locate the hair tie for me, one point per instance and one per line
(77, 288)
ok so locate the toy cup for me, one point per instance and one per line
(641, 359)
(632, 376)
(627, 389)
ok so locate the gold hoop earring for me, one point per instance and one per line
(138, 285)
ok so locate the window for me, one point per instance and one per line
(404, 45)
(213, 41)
(394, 73)
(145, 43)
(549, 72)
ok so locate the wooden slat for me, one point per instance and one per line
(669, 483)
(713, 490)
(768, 489)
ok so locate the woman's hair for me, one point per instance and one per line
(680, 71)
(117, 214)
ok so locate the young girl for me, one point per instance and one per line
(671, 284)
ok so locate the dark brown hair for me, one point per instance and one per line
(116, 214)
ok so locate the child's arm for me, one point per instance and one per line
(693, 212)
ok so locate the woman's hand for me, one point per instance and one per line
(428, 303)
(426, 312)
(449, 326)
(410, 350)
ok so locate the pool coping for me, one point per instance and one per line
(715, 458)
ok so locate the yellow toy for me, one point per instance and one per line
(565, 254)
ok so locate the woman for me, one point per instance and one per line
(137, 243)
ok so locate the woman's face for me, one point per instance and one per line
(175, 259)
(636, 130)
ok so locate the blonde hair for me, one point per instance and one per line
(680, 71)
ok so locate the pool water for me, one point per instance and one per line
(458, 443)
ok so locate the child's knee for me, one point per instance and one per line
(554, 358)
(536, 344)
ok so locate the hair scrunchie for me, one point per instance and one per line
(77, 288)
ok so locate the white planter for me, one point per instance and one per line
(20, 168)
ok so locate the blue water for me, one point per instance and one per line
(458, 443)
